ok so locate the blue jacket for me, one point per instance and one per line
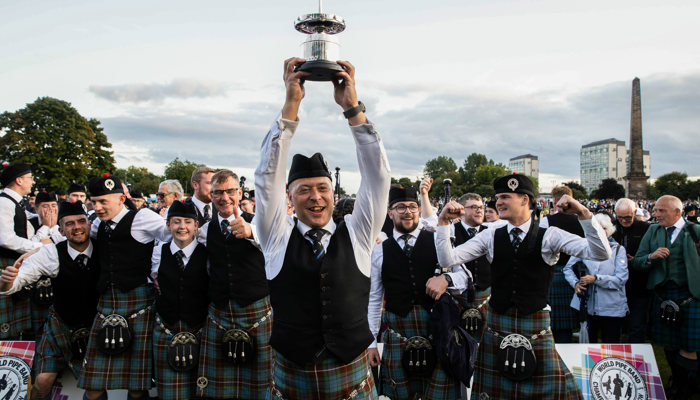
(606, 296)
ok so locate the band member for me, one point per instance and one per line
(669, 251)
(521, 255)
(120, 354)
(201, 198)
(236, 358)
(402, 266)
(73, 270)
(15, 234)
(319, 271)
(76, 192)
(180, 267)
(564, 318)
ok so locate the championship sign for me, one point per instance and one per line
(15, 369)
(614, 371)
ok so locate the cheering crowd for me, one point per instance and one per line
(281, 293)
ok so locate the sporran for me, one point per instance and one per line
(114, 337)
(418, 359)
(183, 352)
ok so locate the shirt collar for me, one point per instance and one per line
(467, 226)
(524, 227)
(13, 194)
(75, 253)
(679, 224)
(303, 228)
(188, 250)
(414, 233)
(230, 217)
(200, 204)
(121, 214)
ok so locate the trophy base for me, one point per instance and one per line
(320, 70)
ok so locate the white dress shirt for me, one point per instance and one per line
(158, 250)
(8, 238)
(679, 227)
(146, 227)
(200, 206)
(43, 263)
(274, 226)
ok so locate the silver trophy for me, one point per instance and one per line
(321, 48)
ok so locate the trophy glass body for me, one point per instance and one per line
(321, 48)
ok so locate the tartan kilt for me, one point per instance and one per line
(15, 315)
(394, 381)
(560, 295)
(53, 351)
(480, 297)
(327, 380)
(171, 384)
(219, 379)
(687, 336)
(39, 316)
(131, 370)
(552, 379)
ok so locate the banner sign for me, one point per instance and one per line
(15, 369)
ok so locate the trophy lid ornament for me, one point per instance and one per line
(321, 49)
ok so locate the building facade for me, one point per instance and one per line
(602, 160)
(526, 164)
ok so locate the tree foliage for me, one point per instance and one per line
(62, 145)
(439, 166)
(577, 190)
(609, 189)
(139, 178)
(182, 171)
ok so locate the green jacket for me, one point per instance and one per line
(656, 237)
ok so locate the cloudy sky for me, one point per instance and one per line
(202, 80)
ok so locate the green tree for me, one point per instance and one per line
(140, 178)
(609, 189)
(182, 171)
(473, 161)
(486, 174)
(61, 144)
(404, 181)
(439, 166)
(652, 193)
(577, 190)
(673, 183)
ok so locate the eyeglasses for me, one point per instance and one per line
(162, 194)
(629, 218)
(401, 209)
(476, 208)
(219, 193)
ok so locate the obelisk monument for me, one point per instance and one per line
(636, 180)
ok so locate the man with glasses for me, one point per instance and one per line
(236, 358)
(168, 191)
(629, 233)
(15, 239)
(402, 267)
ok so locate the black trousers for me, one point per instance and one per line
(607, 328)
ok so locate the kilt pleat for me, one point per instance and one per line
(327, 380)
(54, 352)
(133, 369)
(395, 383)
(552, 379)
(39, 315)
(560, 295)
(219, 379)
(687, 335)
(15, 315)
(171, 384)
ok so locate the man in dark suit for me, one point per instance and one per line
(669, 251)
(201, 185)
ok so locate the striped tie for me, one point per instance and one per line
(179, 255)
(515, 232)
(407, 248)
(316, 235)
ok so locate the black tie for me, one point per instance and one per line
(669, 232)
(407, 248)
(179, 255)
(316, 235)
(471, 232)
(207, 215)
(81, 261)
(224, 228)
(108, 226)
(515, 232)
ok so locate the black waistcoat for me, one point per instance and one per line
(320, 305)
(236, 268)
(520, 280)
(569, 223)
(75, 289)
(480, 268)
(630, 238)
(403, 278)
(20, 227)
(124, 261)
(183, 293)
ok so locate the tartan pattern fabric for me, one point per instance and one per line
(479, 298)
(54, 352)
(687, 336)
(171, 384)
(39, 315)
(131, 370)
(394, 382)
(552, 379)
(560, 295)
(327, 380)
(15, 315)
(225, 380)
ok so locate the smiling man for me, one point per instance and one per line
(521, 255)
(319, 272)
(73, 270)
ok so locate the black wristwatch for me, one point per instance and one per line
(448, 279)
(351, 112)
